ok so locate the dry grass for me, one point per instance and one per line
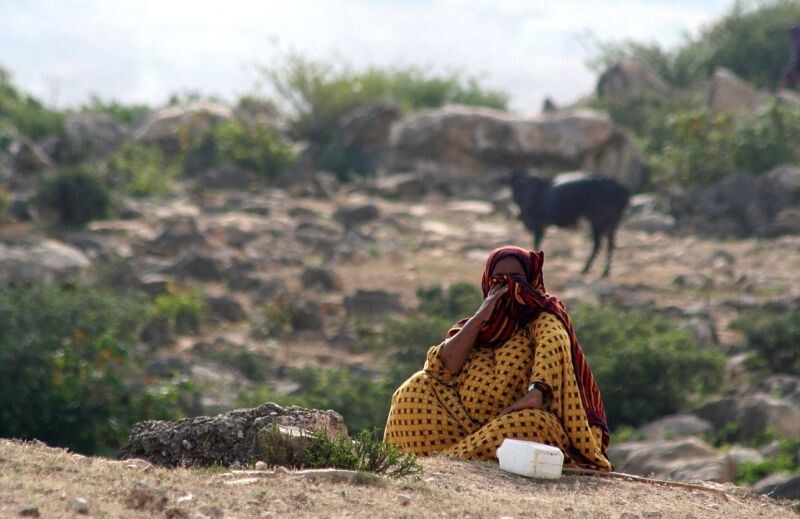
(32, 474)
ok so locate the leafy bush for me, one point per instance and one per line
(254, 146)
(123, 113)
(787, 460)
(751, 40)
(686, 144)
(319, 95)
(276, 318)
(364, 453)
(457, 301)
(140, 170)
(67, 367)
(645, 365)
(182, 308)
(775, 338)
(26, 113)
(76, 195)
(5, 202)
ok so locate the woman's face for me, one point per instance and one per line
(509, 265)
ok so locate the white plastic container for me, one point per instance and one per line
(535, 460)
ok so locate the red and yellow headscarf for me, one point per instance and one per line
(526, 299)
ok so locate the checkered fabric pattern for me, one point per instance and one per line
(436, 411)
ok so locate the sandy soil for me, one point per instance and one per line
(36, 476)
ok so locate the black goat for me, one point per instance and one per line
(562, 200)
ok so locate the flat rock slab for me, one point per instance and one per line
(225, 439)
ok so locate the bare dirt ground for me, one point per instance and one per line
(33, 475)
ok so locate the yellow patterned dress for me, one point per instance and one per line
(457, 415)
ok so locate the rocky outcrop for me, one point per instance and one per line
(238, 436)
(742, 205)
(752, 414)
(731, 94)
(162, 127)
(630, 77)
(685, 459)
(467, 142)
(96, 133)
(364, 134)
(42, 260)
(674, 426)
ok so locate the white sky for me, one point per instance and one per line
(143, 50)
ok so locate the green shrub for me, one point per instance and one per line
(76, 195)
(5, 202)
(320, 94)
(255, 147)
(774, 337)
(26, 113)
(787, 460)
(457, 301)
(645, 366)
(364, 453)
(182, 308)
(751, 40)
(140, 171)
(123, 113)
(686, 144)
(276, 318)
(67, 367)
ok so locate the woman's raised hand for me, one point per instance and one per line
(487, 307)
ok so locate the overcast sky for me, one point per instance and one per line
(142, 50)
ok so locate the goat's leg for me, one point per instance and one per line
(596, 247)
(609, 252)
(538, 236)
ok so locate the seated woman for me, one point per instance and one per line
(512, 370)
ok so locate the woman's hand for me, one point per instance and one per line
(486, 309)
(532, 400)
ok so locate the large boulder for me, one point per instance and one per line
(630, 77)
(28, 158)
(684, 459)
(237, 436)
(42, 260)
(741, 205)
(674, 426)
(364, 134)
(752, 414)
(461, 141)
(96, 133)
(163, 126)
(731, 94)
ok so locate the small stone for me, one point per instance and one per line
(144, 497)
(405, 499)
(79, 505)
(208, 512)
(260, 465)
(175, 513)
(628, 515)
(282, 470)
(29, 511)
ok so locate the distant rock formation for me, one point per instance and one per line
(463, 141)
(630, 76)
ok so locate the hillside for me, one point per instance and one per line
(36, 476)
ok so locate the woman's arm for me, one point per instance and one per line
(456, 349)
